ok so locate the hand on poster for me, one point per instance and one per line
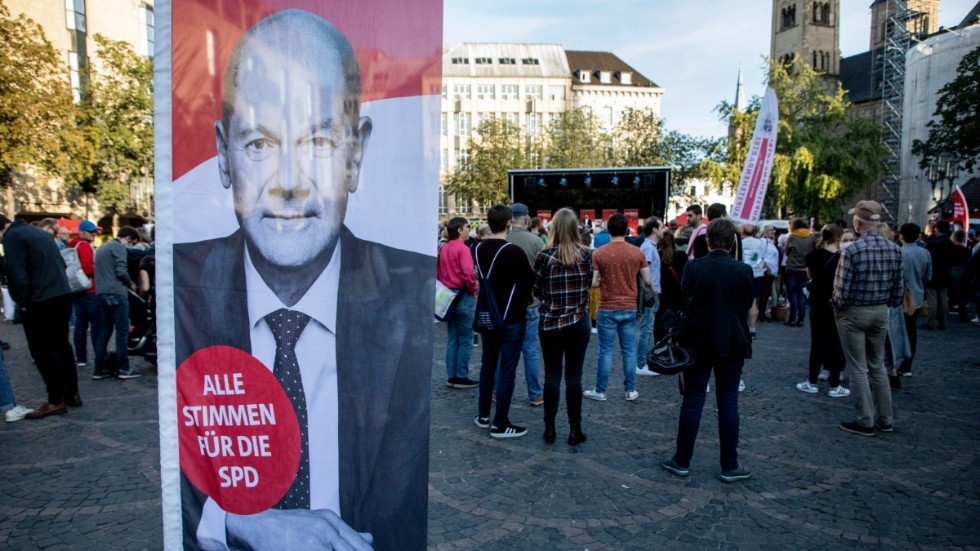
(294, 529)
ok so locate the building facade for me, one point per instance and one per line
(528, 85)
(71, 26)
(809, 29)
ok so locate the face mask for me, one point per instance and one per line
(846, 244)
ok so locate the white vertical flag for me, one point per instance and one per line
(758, 164)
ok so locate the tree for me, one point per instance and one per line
(956, 125)
(37, 116)
(482, 177)
(118, 107)
(825, 150)
(637, 139)
(575, 140)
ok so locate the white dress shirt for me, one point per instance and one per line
(316, 352)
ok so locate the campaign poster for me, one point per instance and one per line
(751, 193)
(296, 185)
(544, 216)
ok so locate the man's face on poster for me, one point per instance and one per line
(291, 149)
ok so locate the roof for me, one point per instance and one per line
(971, 18)
(594, 62)
(505, 60)
(860, 78)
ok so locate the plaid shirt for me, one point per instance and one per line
(563, 290)
(869, 273)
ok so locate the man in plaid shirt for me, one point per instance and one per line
(867, 282)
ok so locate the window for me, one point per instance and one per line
(75, 15)
(444, 160)
(147, 33)
(461, 61)
(461, 91)
(609, 114)
(462, 156)
(534, 124)
(483, 61)
(533, 91)
(462, 124)
(605, 77)
(625, 77)
(507, 61)
(513, 118)
(530, 61)
(482, 118)
(585, 76)
(556, 92)
(77, 53)
(825, 14)
(508, 91)
(484, 91)
(444, 124)
(443, 200)
(788, 17)
(445, 91)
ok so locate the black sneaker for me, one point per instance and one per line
(100, 376)
(736, 474)
(671, 466)
(851, 426)
(463, 382)
(482, 422)
(510, 431)
(883, 427)
(129, 374)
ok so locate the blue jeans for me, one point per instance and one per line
(115, 313)
(459, 347)
(795, 280)
(694, 382)
(531, 352)
(504, 346)
(7, 401)
(610, 324)
(644, 332)
(88, 316)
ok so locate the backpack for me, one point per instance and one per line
(77, 280)
(488, 316)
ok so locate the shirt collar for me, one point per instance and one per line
(319, 302)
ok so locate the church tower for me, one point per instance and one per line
(735, 132)
(923, 20)
(809, 29)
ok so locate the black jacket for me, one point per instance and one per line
(718, 292)
(35, 269)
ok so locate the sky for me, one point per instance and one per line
(691, 48)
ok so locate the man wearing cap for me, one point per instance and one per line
(88, 313)
(867, 282)
(531, 244)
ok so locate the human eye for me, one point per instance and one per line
(323, 144)
(260, 149)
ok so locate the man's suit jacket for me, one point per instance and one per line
(718, 293)
(384, 358)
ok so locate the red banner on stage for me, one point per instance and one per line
(587, 214)
(544, 215)
(606, 213)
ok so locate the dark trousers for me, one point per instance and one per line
(115, 315)
(765, 291)
(46, 329)
(88, 319)
(501, 346)
(566, 345)
(694, 382)
(912, 330)
(795, 280)
(825, 349)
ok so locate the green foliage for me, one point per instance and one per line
(118, 107)
(575, 140)
(825, 151)
(956, 126)
(37, 116)
(498, 147)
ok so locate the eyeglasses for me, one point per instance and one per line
(320, 145)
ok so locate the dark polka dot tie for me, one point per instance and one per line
(287, 326)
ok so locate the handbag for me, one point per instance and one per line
(446, 300)
(77, 280)
(908, 305)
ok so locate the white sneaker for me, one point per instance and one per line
(595, 331)
(838, 392)
(805, 386)
(632, 395)
(598, 396)
(81, 364)
(741, 385)
(708, 388)
(645, 372)
(824, 375)
(16, 414)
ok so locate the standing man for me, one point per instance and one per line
(38, 284)
(916, 271)
(867, 282)
(644, 325)
(295, 288)
(694, 219)
(88, 311)
(531, 244)
(615, 267)
(454, 269)
(943, 252)
(112, 283)
(510, 277)
(718, 292)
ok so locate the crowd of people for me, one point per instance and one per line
(54, 282)
(866, 289)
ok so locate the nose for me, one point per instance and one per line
(291, 181)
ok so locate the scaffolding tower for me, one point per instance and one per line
(898, 39)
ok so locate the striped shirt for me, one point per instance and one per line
(563, 290)
(869, 273)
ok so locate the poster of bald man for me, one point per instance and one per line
(297, 177)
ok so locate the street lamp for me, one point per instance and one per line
(942, 169)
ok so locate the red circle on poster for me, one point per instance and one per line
(238, 433)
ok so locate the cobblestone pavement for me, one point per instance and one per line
(90, 479)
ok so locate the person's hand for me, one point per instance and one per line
(294, 529)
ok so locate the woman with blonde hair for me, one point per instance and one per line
(563, 277)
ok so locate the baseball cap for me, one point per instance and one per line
(89, 226)
(519, 209)
(867, 210)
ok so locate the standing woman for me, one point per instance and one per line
(825, 347)
(454, 269)
(563, 277)
(799, 244)
(672, 263)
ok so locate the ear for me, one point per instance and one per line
(358, 147)
(221, 142)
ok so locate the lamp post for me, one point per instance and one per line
(943, 170)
